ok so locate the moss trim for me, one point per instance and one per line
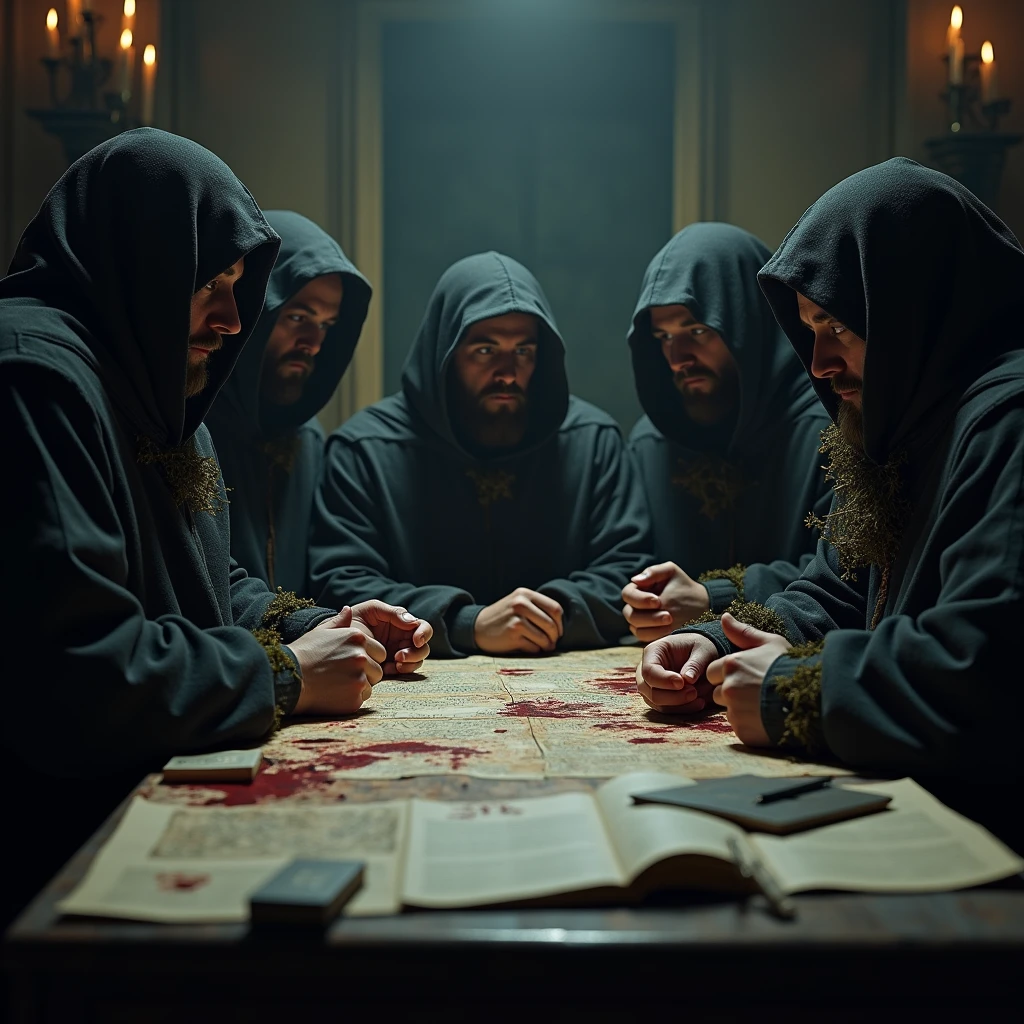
(712, 481)
(284, 604)
(800, 694)
(805, 650)
(749, 612)
(734, 574)
(270, 640)
(194, 480)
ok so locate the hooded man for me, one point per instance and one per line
(901, 293)
(269, 443)
(499, 508)
(728, 448)
(134, 636)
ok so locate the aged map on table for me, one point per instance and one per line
(570, 715)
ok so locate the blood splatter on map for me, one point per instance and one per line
(572, 715)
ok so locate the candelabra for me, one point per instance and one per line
(81, 115)
(973, 150)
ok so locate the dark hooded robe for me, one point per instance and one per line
(737, 492)
(130, 629)
(907, 668)
(406, 513)
(270, 455)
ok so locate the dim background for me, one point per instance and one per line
(574, 135)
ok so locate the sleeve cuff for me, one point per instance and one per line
(721, 594)
(300, 622)
(287, 685)
(462, 627)
(791, 703)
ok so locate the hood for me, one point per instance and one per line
(307, 252)
(712, 270)
(923, 271)
(477, 288)
(124, 239)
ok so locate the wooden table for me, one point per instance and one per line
(843, 954)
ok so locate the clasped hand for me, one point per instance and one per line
(684, 674)
(523, 621)
(342, 658)
(660, 599)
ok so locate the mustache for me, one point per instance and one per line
(694, 371)
(503, 389)
(846, 382)
(212, 341)
(298, 356)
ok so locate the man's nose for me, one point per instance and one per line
(225, 319)
(679, 356)
(310, 340)
(505, 369)
(827, 359)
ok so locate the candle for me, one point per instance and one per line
(74, 16)
(52, 35)
(127, 64)
(955, 46)
(128, 16)
(148, 82)
(989, 83)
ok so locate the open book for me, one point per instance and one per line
(169, 863)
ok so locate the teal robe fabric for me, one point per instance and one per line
(270, 456)
(407, 514)
(739, 492)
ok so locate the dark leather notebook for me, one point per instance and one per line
(737, 799)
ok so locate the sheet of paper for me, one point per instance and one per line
(195, 864)
(575, 714)
(465, 854)
(916, 845)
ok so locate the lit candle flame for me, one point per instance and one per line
(129, 8)
(126, 39)
(956, 19)
(51, 19)
(149, 54)
(987, 53)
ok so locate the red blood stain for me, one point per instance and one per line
(551, 709)
(647, 739)
(629, 726)
(458, 755)
(713, 723)
(178, 881)
(515, 671)
(617, 684)
(501, 730)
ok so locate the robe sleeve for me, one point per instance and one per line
(918, 693)
(349, 559)
(112, 687)
(618, 547)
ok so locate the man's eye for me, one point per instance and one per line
(296, 318)
(837, 329)
(698, 330)
(211, 286)
(525, 351)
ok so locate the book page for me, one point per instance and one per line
(198, 865)
(644, 834)
(470, 854)
(916, 845)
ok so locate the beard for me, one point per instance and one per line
(865, 525)
(705, 407)
(491, 429)
(283, 384)
(197, 374)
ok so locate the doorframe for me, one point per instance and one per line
(356, 180)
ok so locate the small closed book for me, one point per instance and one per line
(763, 805)
(222, 766)
(306, 892)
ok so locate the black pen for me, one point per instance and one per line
(795, 790)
